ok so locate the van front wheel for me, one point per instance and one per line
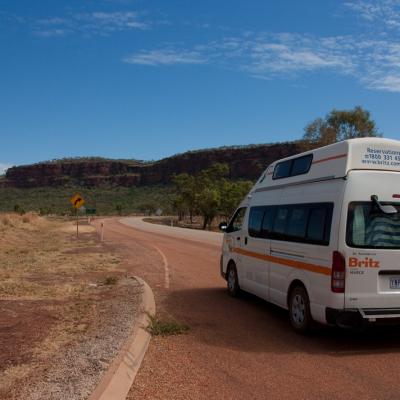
(232, 280)
(299, 310)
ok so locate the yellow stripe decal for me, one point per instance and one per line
(319, 269)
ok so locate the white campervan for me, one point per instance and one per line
(319, 234)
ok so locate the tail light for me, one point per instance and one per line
(338, 277)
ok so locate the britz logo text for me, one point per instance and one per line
(366, 262)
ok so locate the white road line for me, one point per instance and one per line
(166, 267)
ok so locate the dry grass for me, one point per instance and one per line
(44, 265)
(39, 258)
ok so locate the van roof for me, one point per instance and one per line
(334, 161)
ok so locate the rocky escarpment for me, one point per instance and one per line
(245, 162)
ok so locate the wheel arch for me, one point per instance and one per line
(295, 283)
(229, 264)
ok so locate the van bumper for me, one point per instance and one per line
(358, 318)
(343, 318)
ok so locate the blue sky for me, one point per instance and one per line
(147, 79)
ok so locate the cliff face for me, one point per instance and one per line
(84, 173)
(244, 162)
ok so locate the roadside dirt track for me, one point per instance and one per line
(244, 348)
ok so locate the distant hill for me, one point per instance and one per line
(245, 162)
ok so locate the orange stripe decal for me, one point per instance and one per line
(330, 158)
(319, 269)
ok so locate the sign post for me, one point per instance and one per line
(77, 202)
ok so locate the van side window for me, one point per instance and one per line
(304, 223)
(301, 165)
(293, 167)
(255, 221)
(316, 224)
(236, 222)
(282, 170)
(268, 222)
(297, 224)
(280, 222)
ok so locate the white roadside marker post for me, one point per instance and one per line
(77, 222)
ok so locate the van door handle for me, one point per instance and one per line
(245, 240)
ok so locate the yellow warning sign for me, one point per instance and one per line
(77, 201)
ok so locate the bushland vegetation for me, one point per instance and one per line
(106, 200)
(209, 194)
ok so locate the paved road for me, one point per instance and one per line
(242, 348)
(178, 233)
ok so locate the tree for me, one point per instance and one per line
(209, 201)
(209, 184)
(340, 125)
(232, 194)
(185, 199)
(209, 193)
(119, 208)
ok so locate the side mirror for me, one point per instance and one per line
(223, 226)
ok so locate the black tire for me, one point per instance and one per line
(299, 310)
(232, 280)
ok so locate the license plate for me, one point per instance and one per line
(394, 283)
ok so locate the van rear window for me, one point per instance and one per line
(368, 227)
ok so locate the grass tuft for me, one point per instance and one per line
(110, 280)
(165, 328)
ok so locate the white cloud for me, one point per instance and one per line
(372, 58)
(387, 83)
(52, 21)
(113, 21)
(3, 168)
(262, 55)
(166, 57)
(385, 12)
(374, 63)
(93, 23)
(288, 54)
(52, 33)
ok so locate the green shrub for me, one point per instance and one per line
(165, 328)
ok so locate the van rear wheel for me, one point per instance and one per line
(232, 280)
(299, 310)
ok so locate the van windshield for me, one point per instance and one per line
(368, 227)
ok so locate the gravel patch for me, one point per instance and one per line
(76, 370)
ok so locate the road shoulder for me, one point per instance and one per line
(118, 380)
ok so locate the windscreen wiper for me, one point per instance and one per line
(386, 209)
